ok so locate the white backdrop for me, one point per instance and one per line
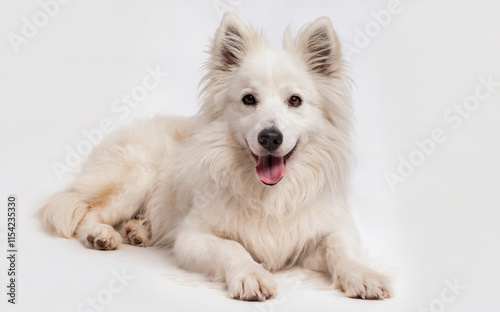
(426, 189)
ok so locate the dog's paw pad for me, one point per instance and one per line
(135, 233)
(103, 237)
(134, 238)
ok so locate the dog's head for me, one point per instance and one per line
(274, 101)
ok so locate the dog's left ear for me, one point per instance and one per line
(231, 42)
(319, 45)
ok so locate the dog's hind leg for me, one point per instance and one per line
(120, 204)
(95, 233)
(137, 231)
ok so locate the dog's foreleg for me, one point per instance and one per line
(226, 260)
(348, 274)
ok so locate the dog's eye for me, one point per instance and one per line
(295, 101)
(249, 99)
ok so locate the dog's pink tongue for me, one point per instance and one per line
(270, 169)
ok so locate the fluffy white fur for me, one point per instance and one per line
(191, 183)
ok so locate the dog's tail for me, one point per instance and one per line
(63, 212)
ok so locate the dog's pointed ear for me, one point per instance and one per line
(231, 42)
(319, 45)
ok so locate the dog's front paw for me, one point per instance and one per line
(253, 285)
(364, 283)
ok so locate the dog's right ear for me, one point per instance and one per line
(231, 42)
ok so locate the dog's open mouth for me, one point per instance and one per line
(271, 169)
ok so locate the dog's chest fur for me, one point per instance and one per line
(277, 241)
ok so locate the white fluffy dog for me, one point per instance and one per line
(257, 181)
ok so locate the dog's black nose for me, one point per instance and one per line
(270, 139)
